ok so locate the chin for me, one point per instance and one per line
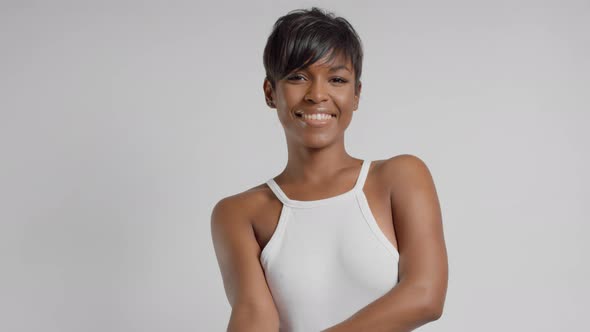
(317, 142)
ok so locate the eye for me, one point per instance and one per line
(340, 80)
(295, 78)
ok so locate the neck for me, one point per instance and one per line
(313, 165)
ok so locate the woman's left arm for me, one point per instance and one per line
(419, 296)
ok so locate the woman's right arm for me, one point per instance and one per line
(237, 252)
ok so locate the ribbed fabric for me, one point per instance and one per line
(327, 259)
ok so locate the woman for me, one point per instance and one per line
(333, 242)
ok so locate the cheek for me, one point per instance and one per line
(344, 102)
(292, 96)
(284, 100)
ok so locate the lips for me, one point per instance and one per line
(300, 113)
(315, 120)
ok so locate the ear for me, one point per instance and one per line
(268, 93)
(357, 96)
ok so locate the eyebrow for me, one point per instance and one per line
(335, 68)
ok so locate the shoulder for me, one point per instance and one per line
(406, 170)
(405, 160)
(242, 205)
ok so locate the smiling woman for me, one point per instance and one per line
(333, 242)
(313, 56)
(330, 93)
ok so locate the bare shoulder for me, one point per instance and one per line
(406, 170)
(244, 203)
(233, 215)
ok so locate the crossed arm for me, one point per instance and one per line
(419, 296)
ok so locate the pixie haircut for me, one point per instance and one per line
(304, 36)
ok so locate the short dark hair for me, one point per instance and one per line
(303, 36)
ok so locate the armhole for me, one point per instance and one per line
(268, 252)
(372, 223)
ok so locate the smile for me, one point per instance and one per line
(316, 120)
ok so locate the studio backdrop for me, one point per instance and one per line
(123, 123)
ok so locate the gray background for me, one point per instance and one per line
(123, 123)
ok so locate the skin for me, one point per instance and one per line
(400, 192)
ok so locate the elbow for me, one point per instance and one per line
(432, 309)
(434, 313)
(430, 302)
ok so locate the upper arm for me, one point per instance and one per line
(238, 255)
(418, 225)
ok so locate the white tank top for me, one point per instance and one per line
(327, 259)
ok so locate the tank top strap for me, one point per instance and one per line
(360, 182)
(358, 186)
(278, 191)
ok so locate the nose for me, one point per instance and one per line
(316, 93)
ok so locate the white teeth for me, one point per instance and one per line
(317, 116)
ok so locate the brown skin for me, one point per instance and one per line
(401, 196)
